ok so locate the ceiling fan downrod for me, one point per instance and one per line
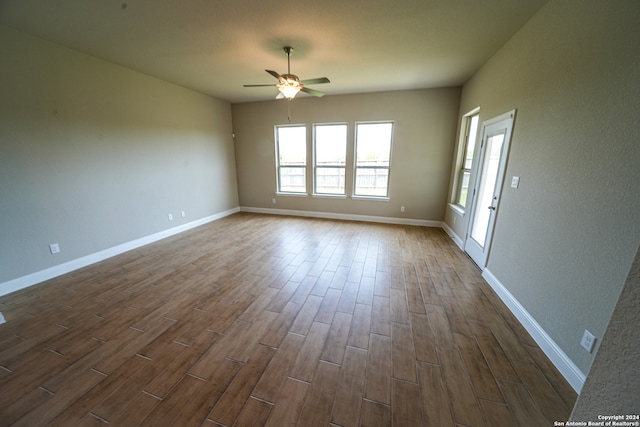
(288, 50)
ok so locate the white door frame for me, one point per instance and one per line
(502, 124)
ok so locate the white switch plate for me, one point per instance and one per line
(54, 248)
(183, 213)
(588, 341)
(515, 181)
(170, 216)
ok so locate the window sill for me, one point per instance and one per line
(457, 209)
(328, 196)
(292, 194)
(378, 198)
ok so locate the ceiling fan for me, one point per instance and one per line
(289, 84)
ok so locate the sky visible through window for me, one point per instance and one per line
(374, 143)
(331, 144)
(292, 143)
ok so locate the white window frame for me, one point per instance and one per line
(280, 167)
(465, 141)
(316, 167)
(356, 167)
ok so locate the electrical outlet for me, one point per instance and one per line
(183, 213)
(273, 201)
(588, 341)
(170, 216)
(54, 248)
(401, 208)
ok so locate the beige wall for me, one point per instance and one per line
(425, 123)
(564, 240)
(93, 155)
(612, 387)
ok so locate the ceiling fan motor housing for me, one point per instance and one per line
(291, 78)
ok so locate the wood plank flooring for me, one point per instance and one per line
(280, 321)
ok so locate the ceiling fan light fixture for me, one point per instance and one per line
(289, 89)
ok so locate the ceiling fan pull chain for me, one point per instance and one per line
(289, 110)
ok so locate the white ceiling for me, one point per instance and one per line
(216, 46)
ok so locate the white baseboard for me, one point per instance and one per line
(458, 241)
(69, 266)
(567, 368)
(348, 217)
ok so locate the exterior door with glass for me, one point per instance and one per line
(489, 176)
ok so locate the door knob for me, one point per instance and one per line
(493, 208)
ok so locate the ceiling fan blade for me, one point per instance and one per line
(312, 92)
(277, 76)
(257, 85)
(315, 81)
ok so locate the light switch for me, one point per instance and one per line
(515, 181)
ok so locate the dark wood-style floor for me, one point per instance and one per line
(262, 320)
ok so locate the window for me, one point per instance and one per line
(331, 147)
(470, 128)
(373, 159)
(330, 144)
(291, 158)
